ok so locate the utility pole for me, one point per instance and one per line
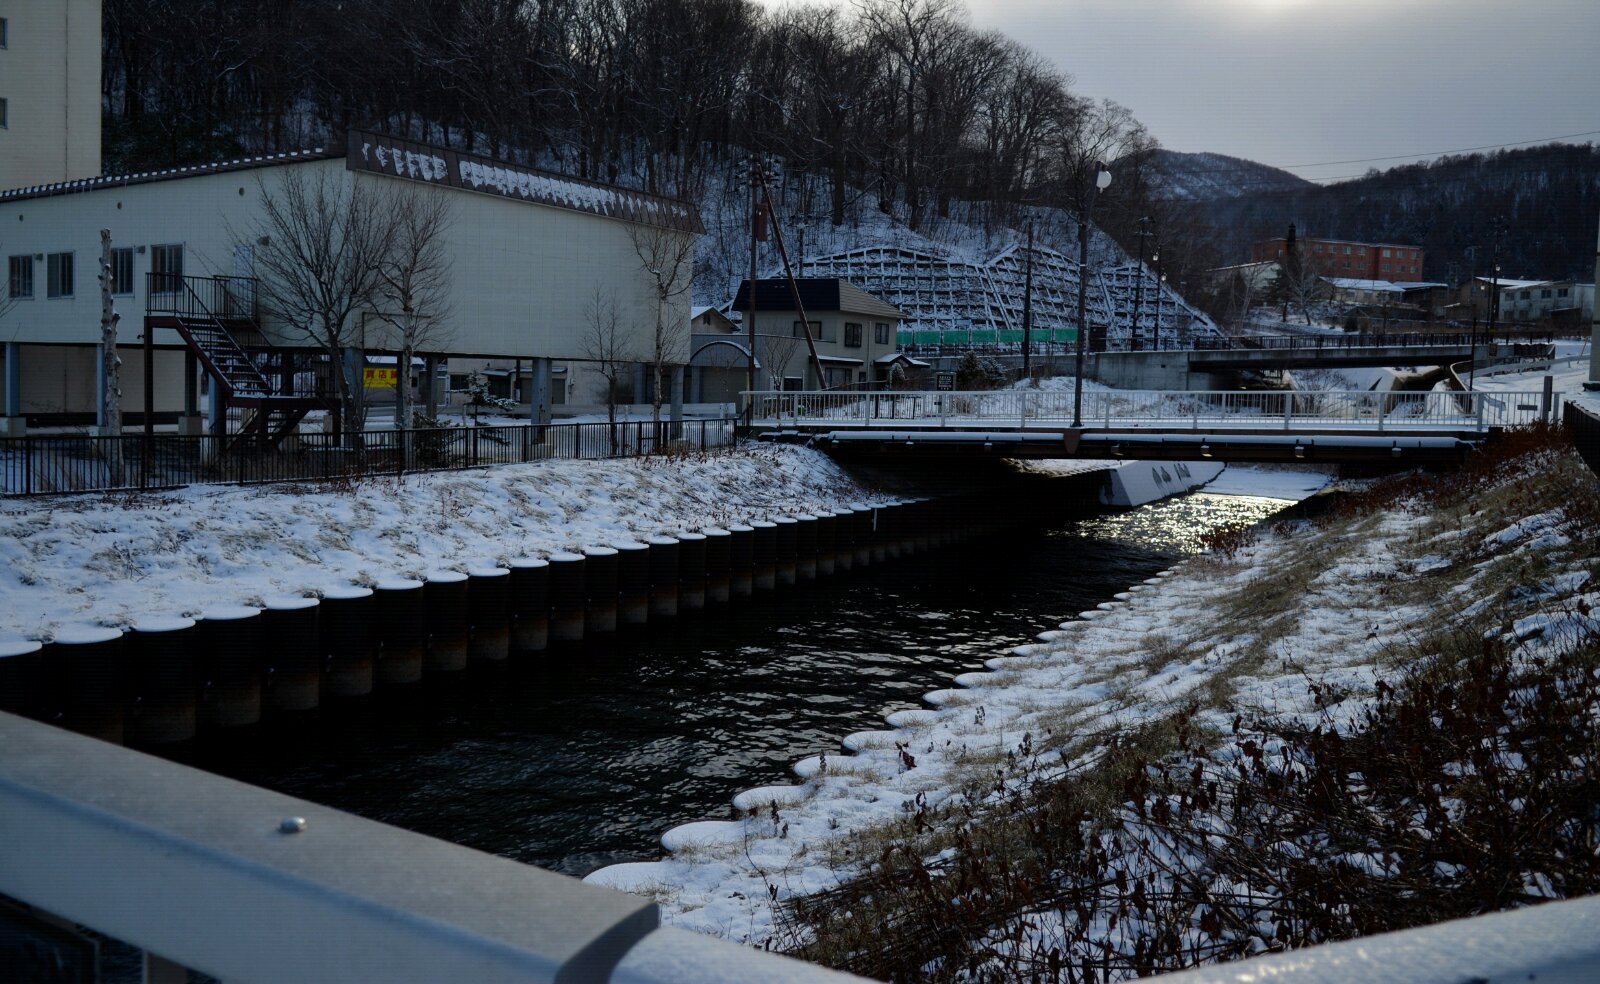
(750, 301)
(1027, 309)
(1138, 283)
(1160, 288)
(1102, 180)
(1494, 289)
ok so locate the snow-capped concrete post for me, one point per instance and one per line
(346, 638)
(805, 552)
(293, 662)
(489, 611)
(600, 578)
(86, 661)
(663, 576)
(765, 554)
(741, 560)
(228, 639)
(567, 597)
(719, 565)
(844, 539)
(788, 544)
(402, 622)
(827, 543)
(633, 582)
(13, 423)
(21, 679)
(444, 595)
(691, 571)
(530, 604)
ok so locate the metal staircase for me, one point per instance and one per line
(211, 314)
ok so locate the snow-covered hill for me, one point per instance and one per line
(1207, 177)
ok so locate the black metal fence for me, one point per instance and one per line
(48, 464)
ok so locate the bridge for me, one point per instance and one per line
(1227, 425)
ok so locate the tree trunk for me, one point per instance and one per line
(110, 362)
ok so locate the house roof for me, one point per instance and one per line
(1352, 283)
(165, 174)
(817, 294)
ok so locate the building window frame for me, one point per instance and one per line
(880, 333)
(60, 279)
(5, 113)
(122, 271)
(19, 277)
(166, 268)
(5, 33)
(852, 334)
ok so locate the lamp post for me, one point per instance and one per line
(1102, 181)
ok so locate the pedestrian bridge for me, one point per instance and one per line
(1228, 425)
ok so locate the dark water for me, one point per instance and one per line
(581, 767)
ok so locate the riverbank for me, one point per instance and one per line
(112, 559)
(1293, 625)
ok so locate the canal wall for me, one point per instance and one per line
(165, 680)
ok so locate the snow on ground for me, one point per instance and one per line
(110, 560)
(1122, 663)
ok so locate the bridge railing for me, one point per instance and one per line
(1253, 409)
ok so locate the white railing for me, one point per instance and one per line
(248, 885)
(1155, 409)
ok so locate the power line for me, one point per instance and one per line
(1437, 153)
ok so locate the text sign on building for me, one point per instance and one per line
(379, 377)
(944, 381)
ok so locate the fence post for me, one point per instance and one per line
(473, 452)
(27, 466)
(1478, 399)
(1288, 407)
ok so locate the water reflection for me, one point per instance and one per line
(586, 760)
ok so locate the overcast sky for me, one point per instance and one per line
(1299, 82)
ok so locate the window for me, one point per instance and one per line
(1388, 253)
(4, 125)
(122, 270)
(58, 275)
(880, 333)
(4, 33)
(852, 334)
(1562, 292)
(819, 332)
(166, 268)
(21, 276)
(1347, 251)
(1544, 294)
(1361, 251)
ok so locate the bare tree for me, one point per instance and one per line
(777, 354)
(321, 239)
(607, 345)
(667, 256)
(413, 287)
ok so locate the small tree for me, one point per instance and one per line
(667, 256)
(607, 345)
(321, 242)
(413, 284)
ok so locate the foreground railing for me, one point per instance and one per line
(1255, 409)
(244, 884)
(56, 463)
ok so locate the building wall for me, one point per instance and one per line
(50, 80)
(523, 275)
(60, 379)
(1537, 303)
(1352, 260)
(830, 343)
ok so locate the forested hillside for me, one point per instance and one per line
(1548, 198)
(1206, 177)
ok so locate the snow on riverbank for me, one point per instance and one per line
(112, 559)
(1098, 672)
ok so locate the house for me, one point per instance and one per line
(1347, 258)
(527, 249)
(854, 333)
(1546, 300)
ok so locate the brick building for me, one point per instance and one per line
(1348, 259)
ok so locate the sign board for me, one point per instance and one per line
(944, 381)
(379, 377)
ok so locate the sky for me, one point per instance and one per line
(1310, 84)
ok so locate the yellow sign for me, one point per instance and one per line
(379, 377)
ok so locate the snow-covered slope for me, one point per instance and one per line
(1206, 177)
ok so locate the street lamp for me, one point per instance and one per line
(1102, 181)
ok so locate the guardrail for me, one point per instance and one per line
(246, 885)
(1255, 409)
(51, 463)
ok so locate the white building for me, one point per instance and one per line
(528, 251)
(49, 91)
(1544, 300)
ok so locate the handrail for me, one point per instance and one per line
(246, 885)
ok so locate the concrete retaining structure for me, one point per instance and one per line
(766, 554)
(719, 565)
(600, 572)
(691, 571)
(228, 640)
(741, 561)
(347, 640)
(568, 600)
(86, 675)
(290, 653)
(663, 576)
(489, 613)
(633, 582)
(401, 629)
(530, 604)
(444, 593)
(20, 677)
(805, 547)
(162, 692)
